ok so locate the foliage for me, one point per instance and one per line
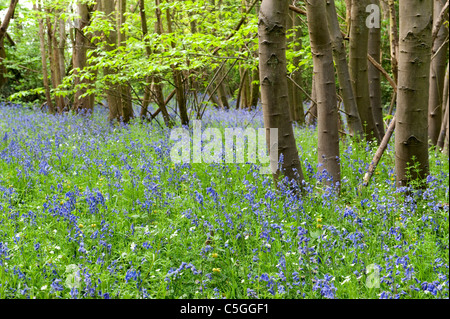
(22, 63)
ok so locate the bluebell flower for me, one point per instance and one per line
(56, 286)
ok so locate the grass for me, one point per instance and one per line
(89, 210)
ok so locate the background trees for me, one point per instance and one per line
(169, 60)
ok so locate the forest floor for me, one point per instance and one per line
(90, 210)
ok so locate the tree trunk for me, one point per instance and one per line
(437, 74)
(3, 28)
(112, 91)
(48, 98)
(291, 86)
(393, 37)
(411, 142)
(178, 79)
(79, 58)
(374, 51)
(255, 88)
(312, 119)
(447, 137)
(327, 113)
(62, 46)
(53, 53)
(124, 88)
(297, 98)
(3, 77)
(274, 94)
(359, 36)
(254, 92)
(348, 15)
(221, 92)
(156, 87)
(443, 132)
(340, 58)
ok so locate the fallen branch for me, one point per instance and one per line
(379, 153)
(297, 85)
(383, 71)
(297, 10)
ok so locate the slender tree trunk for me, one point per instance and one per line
(348, 15)
(62, 46)
(274, 94)
(221, 92)
(156, 88)
(411, 139)
(112, 91)
(48, 98)
(53, 53)
(291, 86)
(447, 137)
(254, 92)
(178, 79)
(3, 77)
(340, 58)
(244, 88)
(437, 74)
(374, 51)
(79, 58)
(393, 37)
(443, 132)
(312, 119)
(359, 36)
(328, 132)
(3, 28)
(255, 88)
(124, 88)
(297, 97)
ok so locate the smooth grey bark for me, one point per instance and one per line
(53, 53)
(393, 37)
(340, 59)
(411, 139)
(437, 74)
(79, 60)
(374, 51)
(443, 131)
(51, 107)
(447, 137)
(358, 67)
(327, 112)
(273, 80)
(126, 105)
(112, 91)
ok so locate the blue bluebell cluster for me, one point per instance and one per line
(106, 201)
